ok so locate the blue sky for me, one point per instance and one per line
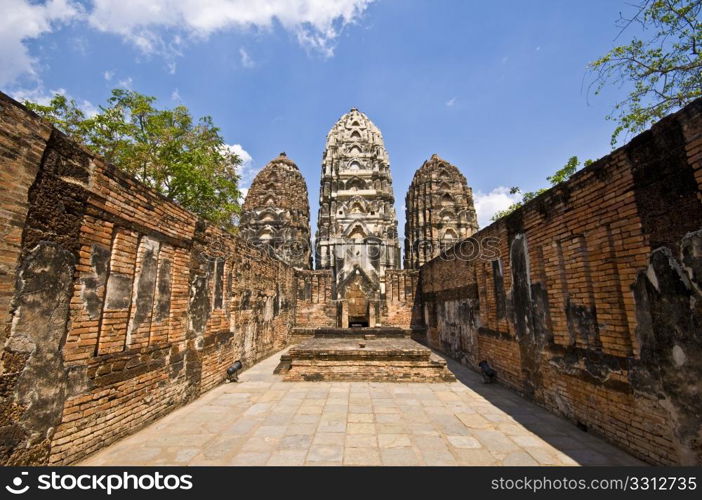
(496, 88)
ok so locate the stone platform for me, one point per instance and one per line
(367, 354)
(300, 334)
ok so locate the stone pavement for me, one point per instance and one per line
(264, 421)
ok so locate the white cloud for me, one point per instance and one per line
(108, 75)
(246, 170)
(88, 108)
(80, 45)
(36, 95)
(163, 26)
(315, 23)
(451, 102)
(246, 60)
(175, 96)
(39, 95)
(487, 204)
(22, 21)
(126, 83)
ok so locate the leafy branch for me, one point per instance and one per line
(561, 175)
(662, 72)
(186, 161)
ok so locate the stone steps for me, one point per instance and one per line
(300, 334)
(356, 358)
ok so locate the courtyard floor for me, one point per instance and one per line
(264, 421)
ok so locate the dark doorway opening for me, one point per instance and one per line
(358, 324)
(357, 305)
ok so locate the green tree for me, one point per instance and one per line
(166, 149)
(561, 175)
(662, 69)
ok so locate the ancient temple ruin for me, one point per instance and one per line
(276, 213)
(439, 211)
(357, 225)
(119, 305)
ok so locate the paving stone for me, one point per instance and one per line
(329, 438)
(257, 409)
(184, 455)
(495, 440)
(362, 456)
(327, 454)
(389, 410)
(543, 456)
(383, 428)
(520, 458)
(423, 429)
(306, 419)
(474, 456)
(527, 441)
(287, 458)
(361, 441)
(265, 431)
(429, 443)
(222, 448)
(334, 425)
(277, 419)
(262, 421)
(309, 410)
(296, 442)
(400, 456)
(360, 428)
(474, 421)
(386, 418)
(463, 442)
(360, 417)
(258, 443)
(393, 440)
(250, 458)
(438, 457)
(297, 429)
(336, 409)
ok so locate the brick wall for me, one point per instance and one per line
(315, 307)
(23, 138)
(401, 308)
(587, 299)
(120, 305)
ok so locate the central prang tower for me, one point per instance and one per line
(357, 225)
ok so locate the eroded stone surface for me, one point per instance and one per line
(357, 224)
(439, 211)
(276, 213)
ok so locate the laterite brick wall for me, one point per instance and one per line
(401, 308)
(119, 305)
(315, 307)
(588, 299)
